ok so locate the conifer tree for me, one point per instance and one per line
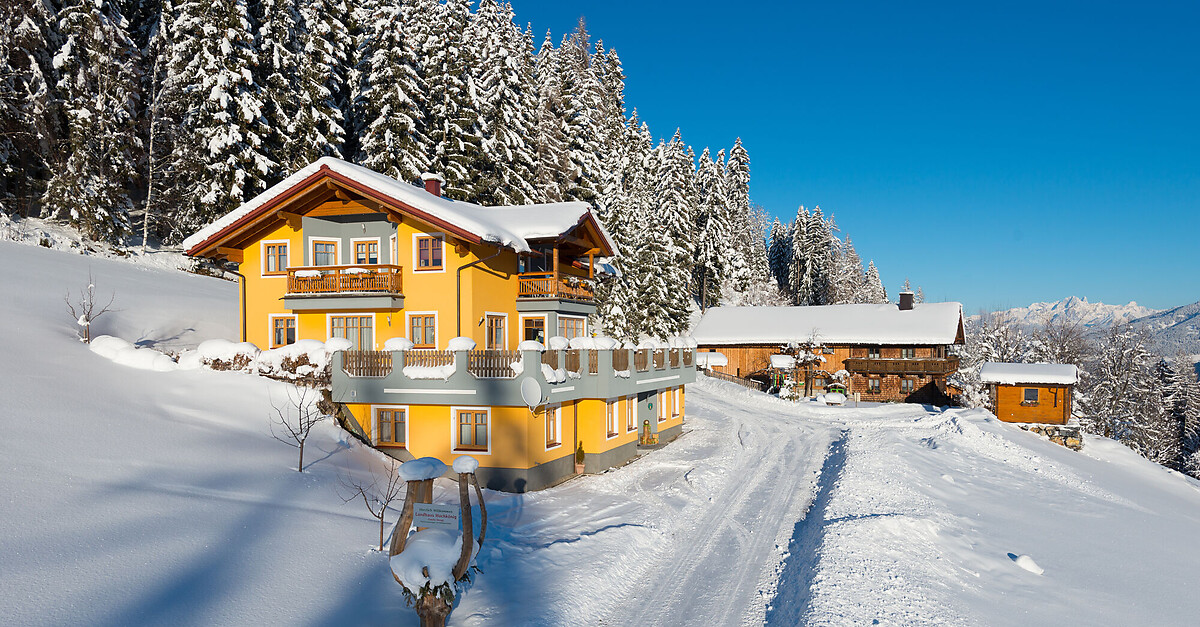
(800, 278)
(712, 227)
(551, 147)
(847, 274)
(779, 254)
(388, 105)
(873, 291)
(28, 112)
(324, 88)
(820, 257)
(452, 109)
(277, 65)
(98, 87)
(581, 99)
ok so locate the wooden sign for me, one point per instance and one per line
(437, 516)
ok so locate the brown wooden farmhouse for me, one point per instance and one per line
(1036, 393)
(891, 352)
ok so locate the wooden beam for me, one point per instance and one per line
(231, 254)
(293, 220)
(461, 248)
(571, 239)
(591, 264)
(338, 192)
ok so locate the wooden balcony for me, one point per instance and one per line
(366, 278)
(902, 366)
(549, 285)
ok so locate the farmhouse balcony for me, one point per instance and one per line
(902, 366)
(495, 377)
(551, 285)
(334, 280)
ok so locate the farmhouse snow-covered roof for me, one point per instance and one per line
(1016, 374)
(508, 226)
(925, 323)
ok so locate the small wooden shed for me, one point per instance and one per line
(1030, 393)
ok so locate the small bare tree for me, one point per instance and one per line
(293, 422)
(377, 492)
(84, 308)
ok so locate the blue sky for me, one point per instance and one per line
(997, 155)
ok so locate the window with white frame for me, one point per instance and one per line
(283, 330)
(275, 258)
(360, 330)
(630, 413)
(366, 252)
(324, 252)
(391, 422)
(472, 433)
(422, 330)
(429, 253)
(662, 406)
(677, 403)
(570, 326)
(553, 416)
(495, 336)
(611, 417)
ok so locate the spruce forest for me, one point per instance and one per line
(138, 120)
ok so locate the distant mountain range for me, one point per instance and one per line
(1172, 330)
(1076, 310)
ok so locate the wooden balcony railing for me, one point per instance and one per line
(550, 358)
(367, 363)
(493, 364)
(620, 359)
(641, 360)
(428, 358)
(341, 279)
(902, 366)
(544, 285)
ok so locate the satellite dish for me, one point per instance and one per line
(531, 393)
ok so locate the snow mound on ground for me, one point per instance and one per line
(398, 344)
(465, 464)
(461, 344)
(226, 350)
(430, 550)
(422, 468)
(1026, 562)
(126, 354)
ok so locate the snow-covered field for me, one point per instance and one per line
(140, 497)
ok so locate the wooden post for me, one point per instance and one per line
(555, 277)
(468, 533)
(591, 265)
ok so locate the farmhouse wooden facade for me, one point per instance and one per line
(437, 300)
(888, 352)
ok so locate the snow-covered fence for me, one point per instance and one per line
(620, 359)
(428, 358)
(746, 383)
(368, 363)
(573, 360)
(493, 364)
(641, 360)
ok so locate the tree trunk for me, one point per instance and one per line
(468, 533)
(432, 610)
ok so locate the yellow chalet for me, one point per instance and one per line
(467, 325)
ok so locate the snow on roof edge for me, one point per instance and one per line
(1040, 373)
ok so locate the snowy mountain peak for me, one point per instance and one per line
(1075, 310)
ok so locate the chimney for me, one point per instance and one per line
(906, 301)
(433, 183)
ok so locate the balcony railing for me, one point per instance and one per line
(379, 278)
(544, 285)
(902, 366)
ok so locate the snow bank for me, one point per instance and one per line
(126, 354)
(422, 468)
(465, 464)
(1026, 562)
(435, 551)
(553, 376)
(398, 344)
(1016, 374)
(531, 345)
(335, 344)
(925, 323)
(461, 344)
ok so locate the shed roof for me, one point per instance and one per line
(925, 323)
(1016, 374)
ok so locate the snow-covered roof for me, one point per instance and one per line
(509, 226)
(1016, 374)
(925, 323)
(783, 362)
(711, 360)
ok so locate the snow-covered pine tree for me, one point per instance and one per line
(800, 279)
(847, 273)
(989, 338)
(28, 121)
(907, 285)
(820, 257)
(675, 199)
(748, 271)
(779, 254)
(920, 296)
(1123, 396)
(98, 88)
(452, 109)
(323, 92)
(713, 238)
(873, 290)
(551, 139)
(506, 99)
(1187, 405)
(277, 65)
(391, 92)
(656, 316)
(581, 100)
(217, 159)
(610, 117)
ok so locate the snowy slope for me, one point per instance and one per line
(137, 497)
(1073, 310)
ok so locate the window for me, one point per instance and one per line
(391, 423)
(611, 417)
(534, 329)
(429, 252)
(677, 403)
(422, 330)
(1031, 396)
(324, 253)
(873, 352)
(908, 353)
(873, 386)
(819, 382)
(630, 414)
(662, 406)
(539, 260)
(495, 332)
(358, 329)
(906, 386)
(283, 331)
(275, 259)
(553, 414)
(393, 258)
(366, 253)
(473, 429)
(570, 327)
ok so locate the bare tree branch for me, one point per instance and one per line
(294, 420)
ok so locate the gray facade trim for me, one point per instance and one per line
(599, 462)
(554, 305)
(343, 302)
